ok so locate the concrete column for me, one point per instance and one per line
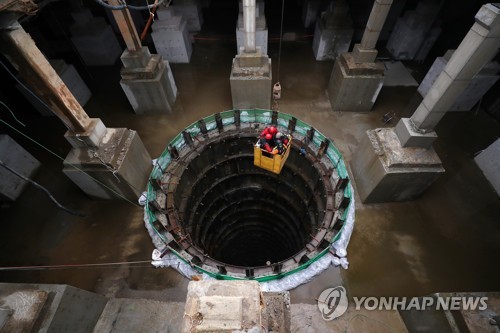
(477, 88)
(396, 164)
(478, 47)
(115, 158)
(147, 79)
(375, 23)
(251, 73)
(357, 78)
(249, 25)
(261, 32)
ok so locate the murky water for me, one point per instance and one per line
(447, 240)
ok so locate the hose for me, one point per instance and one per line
(119, 7)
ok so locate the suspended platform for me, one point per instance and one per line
(269, 161)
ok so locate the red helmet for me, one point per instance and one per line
(273, 130)
(268, 136)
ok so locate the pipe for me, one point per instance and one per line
(249, 25)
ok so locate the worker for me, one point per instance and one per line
(266, 142)
(268, 130)
(281, 141)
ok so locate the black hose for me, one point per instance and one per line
(67, 210)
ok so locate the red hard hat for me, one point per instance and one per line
(269, 136)
(273, 130)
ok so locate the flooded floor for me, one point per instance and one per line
(447, 240)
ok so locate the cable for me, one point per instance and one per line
(12, 113)
(66, 266)
(67, 210)
(119, 7)
(281, 38)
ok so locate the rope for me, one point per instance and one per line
(281, 38)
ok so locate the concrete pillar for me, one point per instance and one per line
(414, 33)
(14, 156)
(114, 158)
(478, 86)
(171, 37)
(94, 39)
(261, 32)
(333, 32)
(396, 164)
(478, 47)
(489, 163)
(191, 11)
(147, 79)
(357, 78)
(251, 73)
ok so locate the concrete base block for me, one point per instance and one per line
(15, 157)
(385, 172)
(224, 306)
(310, 12)
(121, 163)
(354, 87)
(171, 38)
(363, 56)
(408, 137)
(489, 162)
(96, 42)
(261, 33)
(50, 308)
(332, 37)
(190, 10)
(150, 89)
(92, 138)
(251, 86)
(72, 80)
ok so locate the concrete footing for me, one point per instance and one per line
(191, 11)
(49, 308)
(489, 163)
(120, 163)
(235, 306)
(478, 86)
(251, 80)
(355, 86)
(15, 157)
(148, 82)
(384, 171)
(333, 33)
(171, 37)
(94, 39)
(414, 32)
(261, 33)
